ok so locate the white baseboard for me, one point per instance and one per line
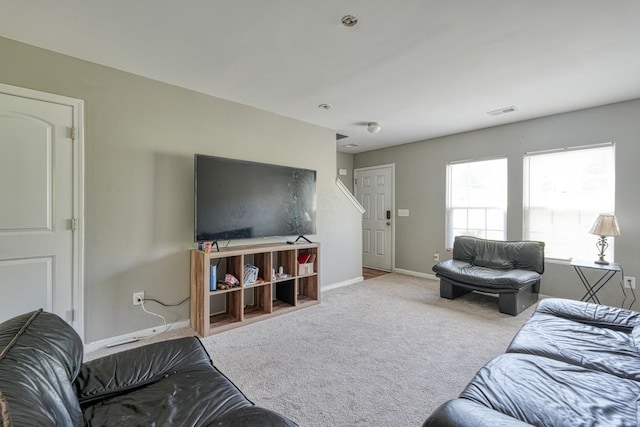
(415, 274)
(341, 284)
(97, 345)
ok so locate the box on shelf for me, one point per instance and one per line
(305, 269)
(305, 263)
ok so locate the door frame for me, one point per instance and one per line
(391, 166)
(77, 287)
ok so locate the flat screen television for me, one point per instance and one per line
(237, 199)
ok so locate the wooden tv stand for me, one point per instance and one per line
(223, 309)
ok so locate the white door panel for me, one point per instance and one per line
(374, 192)
(37, 194)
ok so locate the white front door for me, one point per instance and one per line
(37, 221)
(374, 191)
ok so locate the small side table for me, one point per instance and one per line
(607, 270)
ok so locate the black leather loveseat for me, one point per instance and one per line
(572, 364)
(512, 270)
(43, 382)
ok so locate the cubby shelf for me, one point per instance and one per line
(223, 309)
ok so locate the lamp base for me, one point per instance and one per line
(602, 246)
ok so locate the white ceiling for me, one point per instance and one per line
(421, 68)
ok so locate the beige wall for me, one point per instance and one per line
(140, 138)
(420, 185)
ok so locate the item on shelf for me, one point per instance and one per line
(205, 246)
(213, 277)
(230, 279)
(305, 269)
(303, 258)
(250, 273)
(305, 263)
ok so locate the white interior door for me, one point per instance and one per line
(37, 219)
(374, 191)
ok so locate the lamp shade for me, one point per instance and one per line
(605, 225)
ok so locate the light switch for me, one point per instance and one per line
(342, 172)
(403, 212)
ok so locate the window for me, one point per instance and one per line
(564, 191)
(477, 199)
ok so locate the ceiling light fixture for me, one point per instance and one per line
(350, 146)
(349, 20)
(325, 106)
(373, 127)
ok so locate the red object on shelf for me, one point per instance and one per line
(303, 258)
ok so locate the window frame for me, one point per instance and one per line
(526, 199)
(449, 229)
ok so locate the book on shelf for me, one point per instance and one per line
(213, 277)
(303, 258)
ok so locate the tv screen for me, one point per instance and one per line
(237, 199)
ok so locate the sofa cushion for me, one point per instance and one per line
(487, 278)
(600, 347)
(542, 391)
(165, 383)
(40, 356)
(492, 254)
(523, 255)
(590, 313)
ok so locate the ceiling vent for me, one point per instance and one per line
(500, 111)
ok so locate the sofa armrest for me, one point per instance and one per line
(589, 313)
(466, 413)
(128, 370)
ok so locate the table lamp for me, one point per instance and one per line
(605, 225)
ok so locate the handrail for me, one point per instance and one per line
(350, 196)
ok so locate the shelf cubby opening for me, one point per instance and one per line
(286, 260)
(257, 301)
(226, 308)
(307, 289)
(285, 294)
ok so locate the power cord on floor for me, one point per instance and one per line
(164, 320)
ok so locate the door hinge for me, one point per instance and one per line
(74, 133)
(74, 224)
(355, 181)
(70, 315)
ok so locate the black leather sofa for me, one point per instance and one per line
(512, 270)
(43, 382)
(572, 364)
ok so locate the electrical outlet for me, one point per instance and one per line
(629, 282)
(436, 256)
(138, 297)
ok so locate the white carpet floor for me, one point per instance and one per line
(383, 352)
